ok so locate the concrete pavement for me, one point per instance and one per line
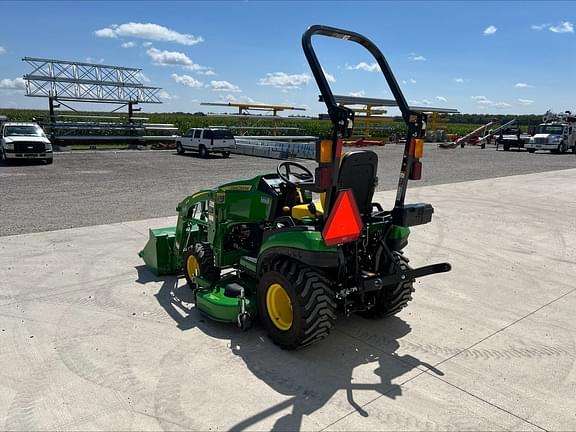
(89, 339)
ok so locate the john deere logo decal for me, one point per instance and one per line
(243, 188)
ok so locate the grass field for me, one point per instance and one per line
(455, 124)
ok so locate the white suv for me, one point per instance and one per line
(24, 141)
(206, 141)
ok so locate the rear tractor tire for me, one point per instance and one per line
(199, 262)
(391, 301)
(295, 304)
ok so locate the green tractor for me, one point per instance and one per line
(265, 247)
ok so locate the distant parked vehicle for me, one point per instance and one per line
(557, 133)
(206, 141)
(24, 141)
(512, 137)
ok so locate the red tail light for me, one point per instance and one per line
(416, 173)
(344, 223)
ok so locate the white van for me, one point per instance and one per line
(206, 141)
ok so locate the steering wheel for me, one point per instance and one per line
(291, 177)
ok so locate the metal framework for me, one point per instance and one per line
(245, 108)
(64, 82)
(87, 82)
(353, 100)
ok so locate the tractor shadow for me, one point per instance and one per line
(350, 362)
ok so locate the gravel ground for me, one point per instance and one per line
(92, 188)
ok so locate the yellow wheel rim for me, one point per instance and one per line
(192, 266)
(279, 307)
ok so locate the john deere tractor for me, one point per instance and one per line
(295, 246)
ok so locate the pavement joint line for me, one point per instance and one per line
(498, 407)
(422, 372)
(450, 358)
(126, 224)
(507, 326)
(374, 399)
(46, 296)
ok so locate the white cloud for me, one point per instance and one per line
(168, 57)
(484, 102)
(416, 57)
(171, 58)
(501, 105)
(539, 27)
(224, 86)
(234, 99)
(522, 85)
(285, 81)
(526, 101)
(329, 77)
(128, 45)
(93, 60)
(12, 84)
(187, 80)
(196, 68)
(163, 94)
(563, 27)
(359, 93)
(490, 30)
(411, 81)
(441, 99)
(2, 50)
(143, 78)
(459, 80)
(146, 44)
(148, 31)
(367, 67)
(422, 102)
(209, 72)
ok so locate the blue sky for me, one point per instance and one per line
(478, 57)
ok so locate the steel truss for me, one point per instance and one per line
(87, 82)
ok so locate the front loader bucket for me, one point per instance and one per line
(158, 254)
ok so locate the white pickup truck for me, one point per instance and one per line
(206, 141)
(24, 141)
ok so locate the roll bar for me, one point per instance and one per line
(342, 117)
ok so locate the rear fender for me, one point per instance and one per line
(305, 246)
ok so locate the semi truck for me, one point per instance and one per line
(556, 133)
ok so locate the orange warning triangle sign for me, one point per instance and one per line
(344, 223)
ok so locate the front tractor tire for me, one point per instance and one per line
(295, 304)
(199, 262)
(392, 300)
